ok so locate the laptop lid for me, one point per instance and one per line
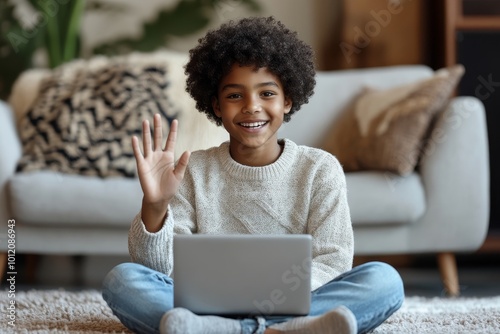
(243, 274)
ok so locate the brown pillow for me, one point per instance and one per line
(385, 129)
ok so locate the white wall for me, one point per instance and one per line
(314, 20)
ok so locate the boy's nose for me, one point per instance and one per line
(251, 106)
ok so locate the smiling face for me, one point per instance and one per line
(251, 104)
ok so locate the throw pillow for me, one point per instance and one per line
(86, 112)
(385, 129)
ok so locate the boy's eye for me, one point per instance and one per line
(267, 94)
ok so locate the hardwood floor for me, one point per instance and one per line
(479, 275)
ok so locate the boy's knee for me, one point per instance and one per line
(116, 280)
(384, 275)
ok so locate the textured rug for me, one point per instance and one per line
(59, 311)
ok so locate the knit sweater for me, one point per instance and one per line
(304, 192)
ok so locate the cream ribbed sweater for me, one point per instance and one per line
(304, 191)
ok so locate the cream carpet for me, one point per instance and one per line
(59, 311)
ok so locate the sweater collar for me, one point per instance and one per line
(276, 170)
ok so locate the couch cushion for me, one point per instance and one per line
(385, 129)
(52, 198)
(384, 198)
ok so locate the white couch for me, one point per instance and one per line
(441, 208)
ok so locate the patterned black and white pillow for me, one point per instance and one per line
(86, 114)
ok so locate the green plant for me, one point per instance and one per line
(56, 31)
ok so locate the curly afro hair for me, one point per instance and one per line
(259, 42)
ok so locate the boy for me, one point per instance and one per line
(249, 76)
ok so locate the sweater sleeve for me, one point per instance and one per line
(329, 223)
(155, 250)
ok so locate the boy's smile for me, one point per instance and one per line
(251, 104)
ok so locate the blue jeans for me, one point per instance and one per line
(139, 296)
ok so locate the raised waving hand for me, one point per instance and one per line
(158, 173)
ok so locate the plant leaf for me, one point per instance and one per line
(16, 48)
(185, 18)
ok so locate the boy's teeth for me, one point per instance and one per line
(253, 125)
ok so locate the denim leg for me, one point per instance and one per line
(138, 296)
(372, 291)
(255, 325)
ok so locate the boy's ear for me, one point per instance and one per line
(216, 106)
(288, 105)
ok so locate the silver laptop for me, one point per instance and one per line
(243, 274)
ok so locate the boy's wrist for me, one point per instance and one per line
(153, 215)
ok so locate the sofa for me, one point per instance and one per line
(441, 207)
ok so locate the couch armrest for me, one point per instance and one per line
(455, 173)
(10, 152)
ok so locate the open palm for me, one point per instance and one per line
(158, 174)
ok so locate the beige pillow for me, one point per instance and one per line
(385, 129)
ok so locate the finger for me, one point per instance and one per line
(180, 168)
(157, 132)
(137, 150)
(172, 136)
(146, 138)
